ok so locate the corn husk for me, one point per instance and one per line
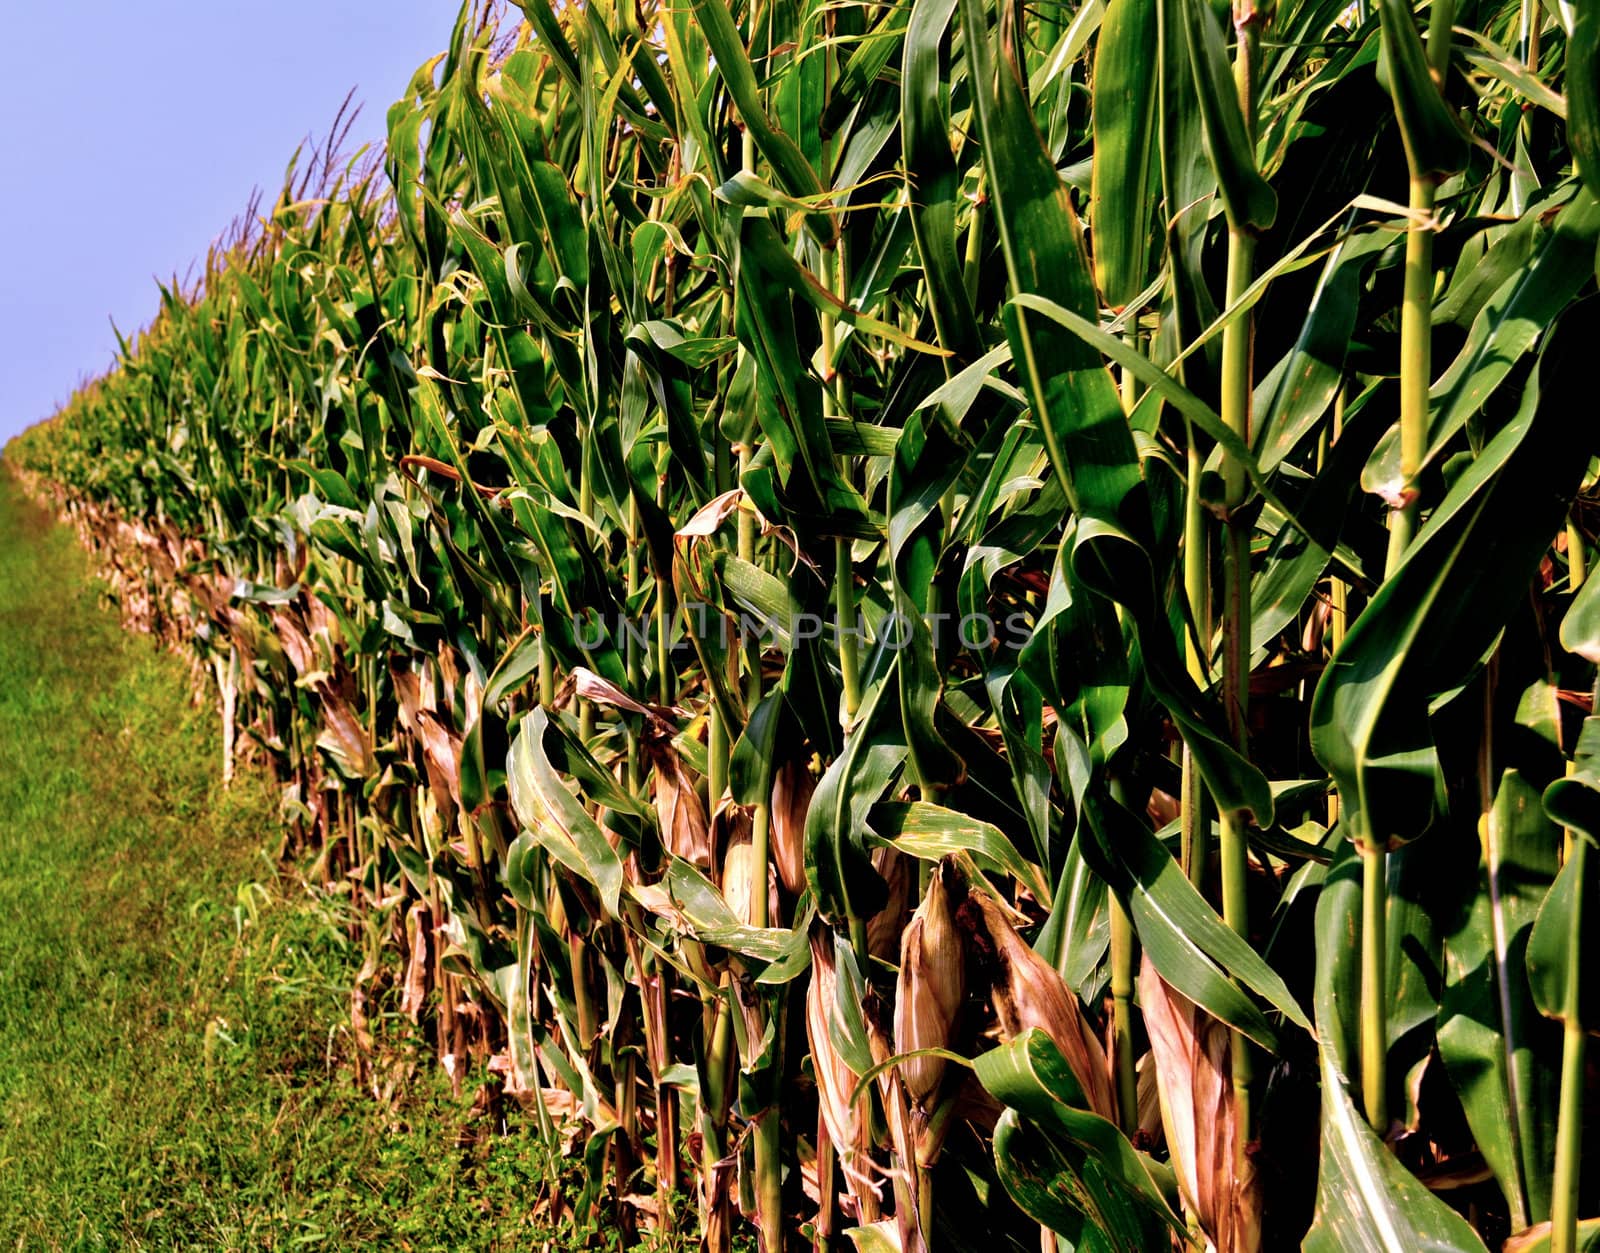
(931, 987)
(885, 927)
(1218, 1182)
(792, 786)
(740, 874)
(1027, 992)
(847, 1123)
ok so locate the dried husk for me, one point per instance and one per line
(792, 786)
(684, 828)
(441, 754)
(740, 874)
(1027, 992)
(419, 964)
(931, 987)
(1218, 1181)
(847, 1123)
(904, 1127)
(885, 927)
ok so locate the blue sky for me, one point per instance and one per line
(132, 134)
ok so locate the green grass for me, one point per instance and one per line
(173, 1012)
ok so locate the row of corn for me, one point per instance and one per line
(947, 624)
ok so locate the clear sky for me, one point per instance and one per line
(132, 134)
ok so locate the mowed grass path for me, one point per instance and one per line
(172, 1012)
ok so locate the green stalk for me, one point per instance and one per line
(1374, 987)
(720, 1061)
(624, 1089)
(1338, 619)
(1236, 395)
(972, 258)
(747, 553)
(547, 670)
(1416, 332)
(769, 1178)
(1122, 960)
(1122, 937)
(1528, 33)
(653, 997)
(1193, 840)
(844, 588)
(718, 750)
(769, 1160)
(583, 1002)
(844, 608)
(1569, 1120)
(585, 507)
(930, 1141)
(1338, 591)
(1574, 1037)
(1416, 339)
(718, 1032)
(665, 678)
(1129, 383)
(767, 1123)
(635, 650)
(576, 952)
(718, 746)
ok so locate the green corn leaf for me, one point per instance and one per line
(1496, 1049)
(866, 65)
(927, 462)
(1432, 622)
(1296, 393)
(1548, 946)
(838, 861)
(1249, 200)
(1506, 328)
(751, 764)
(713, 922)
(738, 75)
(554, 819)
(932, 832)
(1189, 945)
(1302, 550)
(1580, 627)
(566, 383)
(1088, 439)
(1583, 95)
(1122, 198)
(1433, 139)
(931, 171)
(1573, 802)
(1068, 1168)
(1366, 1200)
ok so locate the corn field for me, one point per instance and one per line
(932, 626)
